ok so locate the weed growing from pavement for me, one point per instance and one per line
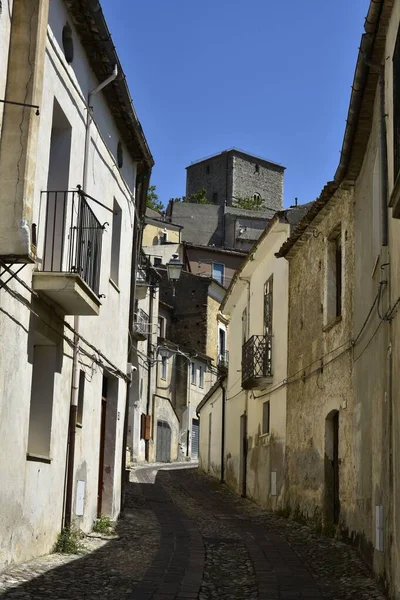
(103, 525)
(68, 541)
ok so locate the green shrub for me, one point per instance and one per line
(68, 541)
(103, 525)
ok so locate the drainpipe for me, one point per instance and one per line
(223, 384)
(75, 358)
(149, 373)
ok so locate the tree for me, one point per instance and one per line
(199, 197)
(152, 199)
(254, 203)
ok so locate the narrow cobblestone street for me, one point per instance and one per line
(184, 536)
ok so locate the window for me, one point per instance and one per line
(266, 416)
(201, 376)
(68, 43)
(115, 243)
(193, 378)
(244, 326)
(221, 342)
(164, 367)
(396, 107)
(257, 170)
(215, 198)
(218, 272)
(268, 305)
(162, 322)
(164, 237)
(334, 276)
(157, 261)
(42, 393)
(81, 393)
(256, 196)
(120, 155)
(207, 169)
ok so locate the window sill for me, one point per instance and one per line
(79, 425)
(265, 436)
(38, 458)
(332, 324)
(114, 285)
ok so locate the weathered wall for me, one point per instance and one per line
(5, 27)
(202, 223)
(319, 368)
(265, 451)
(232, 175)
(32, 500)
(201, 262)
(189, 322)
(247, 181)
(210, 437)
(214, 175)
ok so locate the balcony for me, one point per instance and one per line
(70, 269)
(223, 360)
(141, 325)
(256, 362)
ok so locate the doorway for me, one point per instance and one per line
(243, 455)
(163, 448)
(195, 439)
(332, 496)
(108, 477)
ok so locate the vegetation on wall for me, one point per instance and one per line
(254, 203)
(152, 199)
(199, 197)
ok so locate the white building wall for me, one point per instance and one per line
(32, 500)
(265, 451)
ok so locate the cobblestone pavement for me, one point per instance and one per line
(185, 536)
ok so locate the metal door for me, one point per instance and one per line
(195, 438)
(163, 449)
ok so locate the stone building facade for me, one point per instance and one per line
(320, 464)
(235, 174)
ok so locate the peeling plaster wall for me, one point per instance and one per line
(312, 398)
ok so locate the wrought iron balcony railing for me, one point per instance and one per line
(256, 361)
(73, 237)
(223, 359)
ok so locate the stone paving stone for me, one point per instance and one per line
(183, 536)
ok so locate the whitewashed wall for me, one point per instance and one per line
(32, 499)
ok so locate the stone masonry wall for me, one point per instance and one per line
(320, 372)
(267, 181)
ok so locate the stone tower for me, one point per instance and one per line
(235, 174)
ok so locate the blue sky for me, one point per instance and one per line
(272, 78)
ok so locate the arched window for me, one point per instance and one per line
(120, 155)
(68, 43)
(256, 196)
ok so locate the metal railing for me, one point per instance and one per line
(257, 358)
(223, 359)
(141, 323)
(73, 237)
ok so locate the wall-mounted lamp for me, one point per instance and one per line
(174, 270)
